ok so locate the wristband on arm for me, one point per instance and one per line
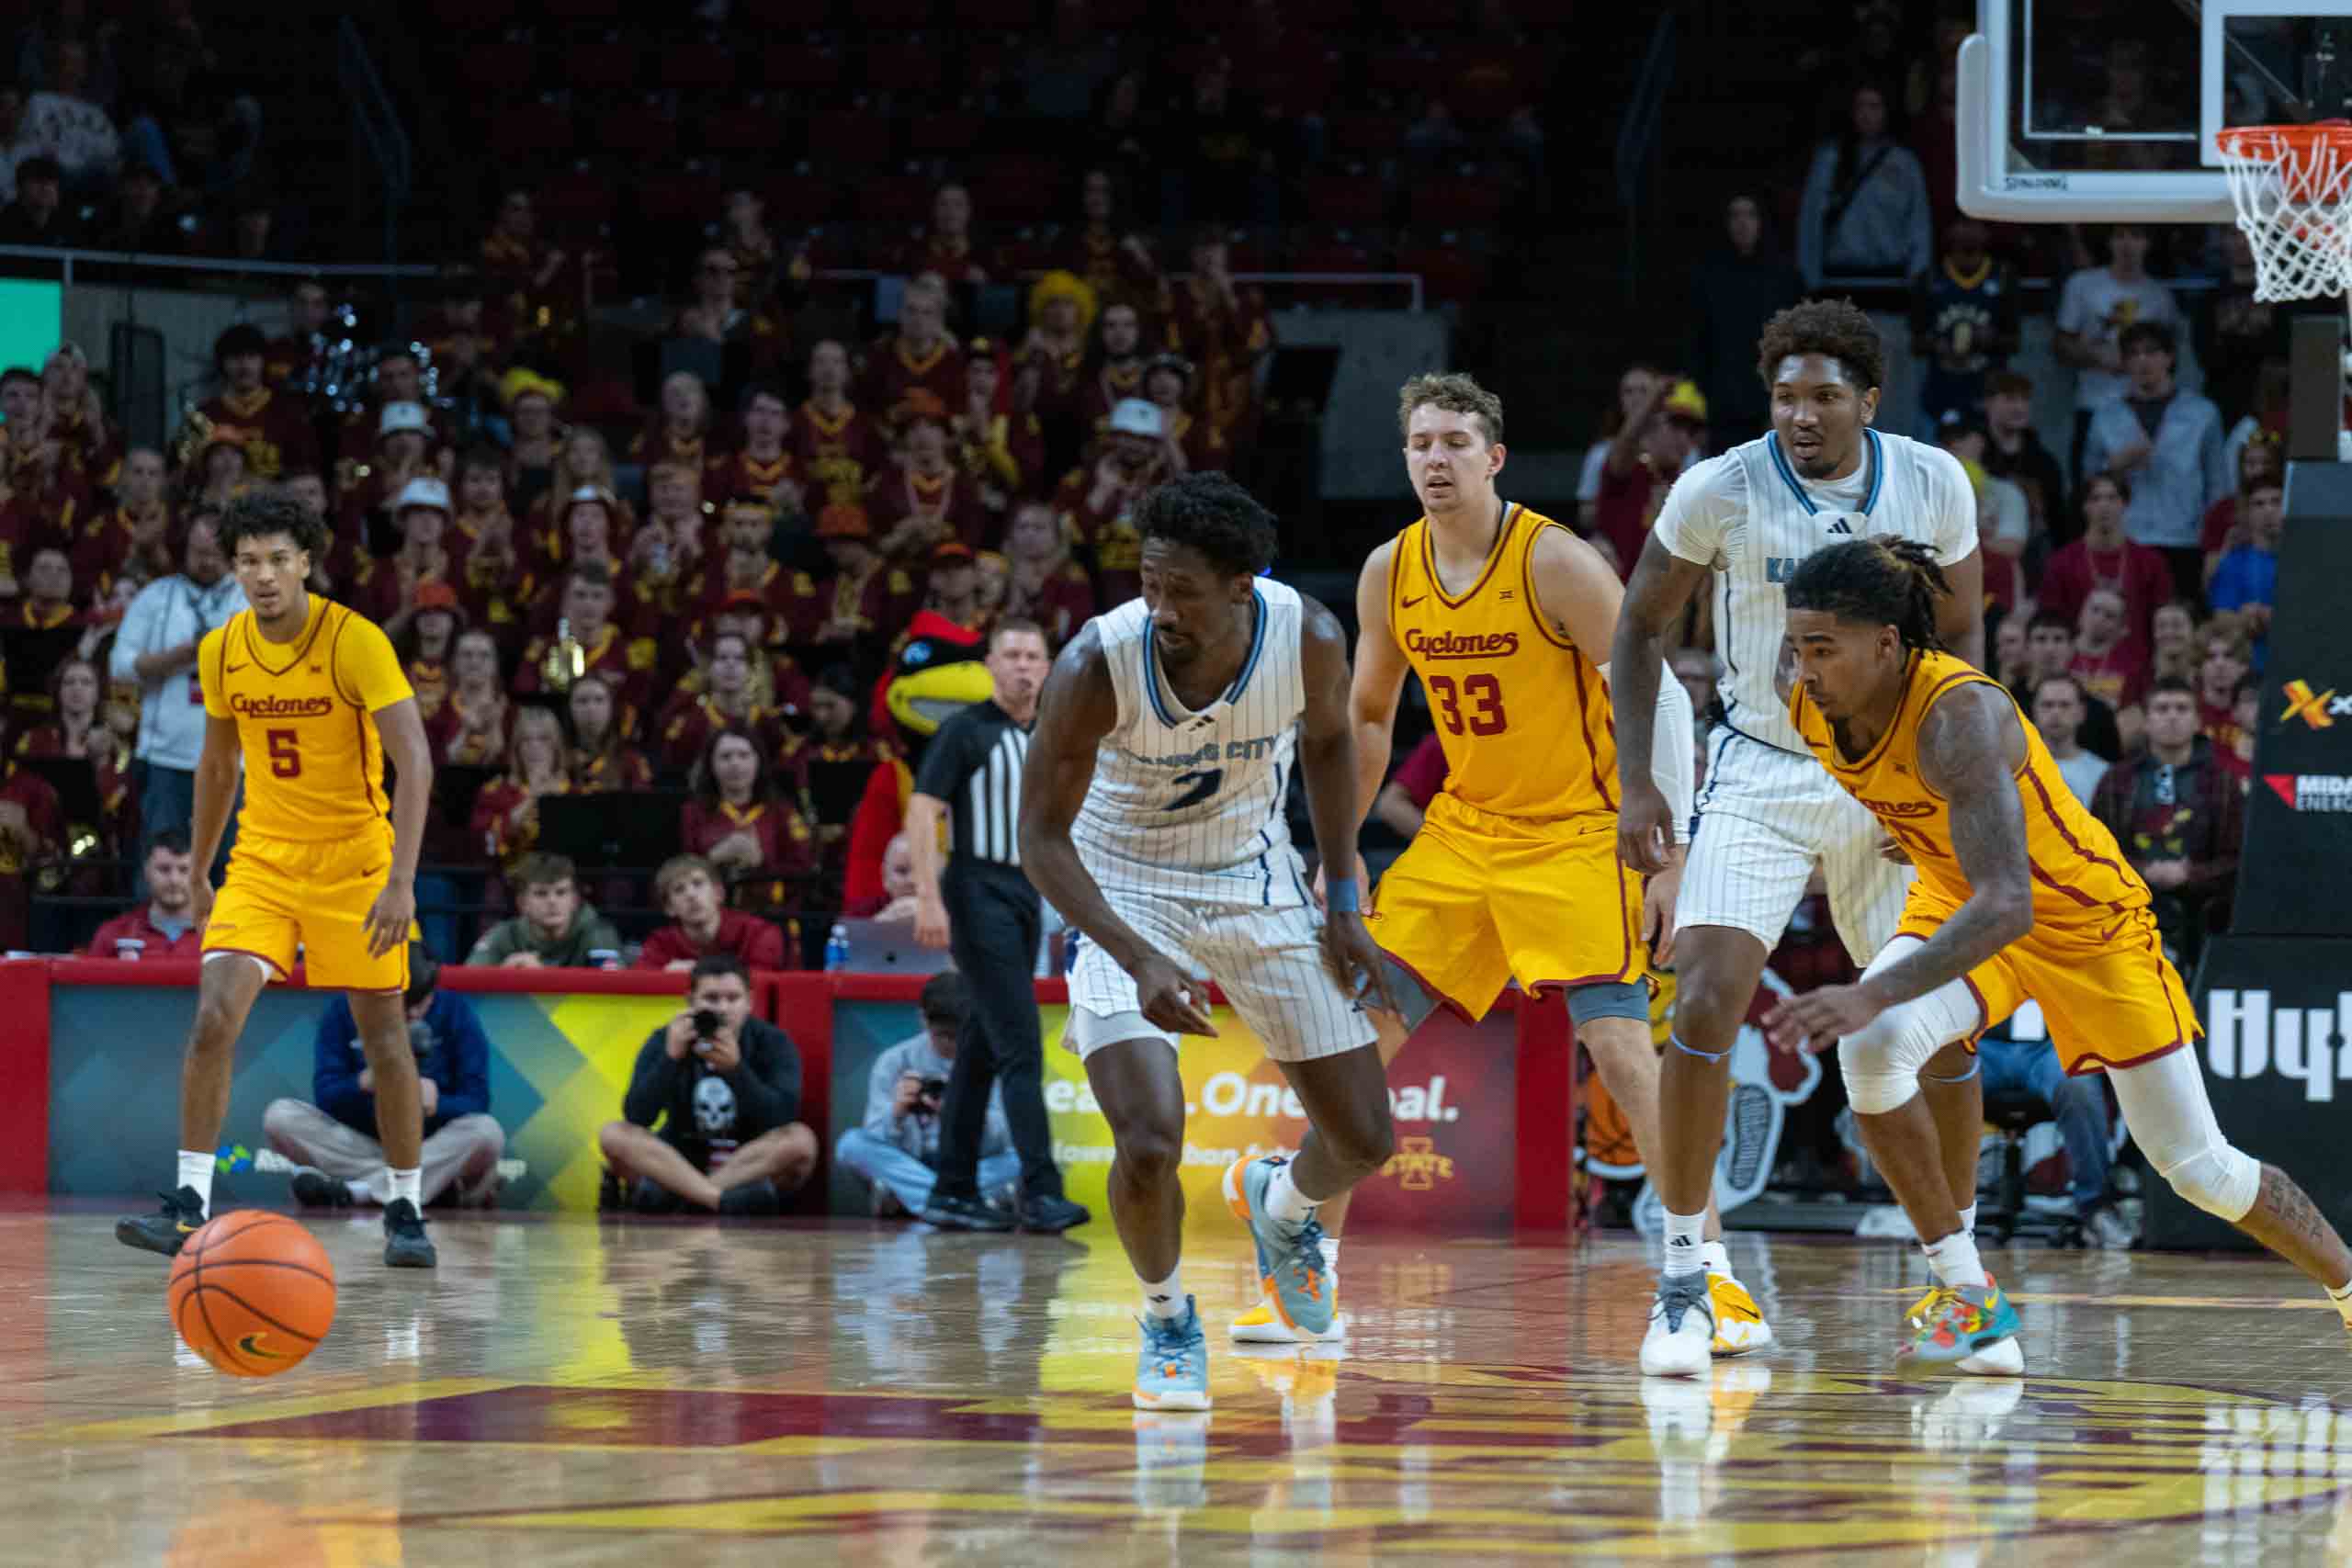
(1341, 895)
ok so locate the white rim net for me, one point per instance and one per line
(2292, 186)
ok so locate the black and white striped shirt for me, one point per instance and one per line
(973, 765)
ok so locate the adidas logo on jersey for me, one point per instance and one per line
(1839, 525)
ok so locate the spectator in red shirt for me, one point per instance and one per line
(680, 432)
(75, 728)
(2180, 819)
(602, 757)
(685, 725)
(926, 500)
(592, 644)
(867, 600)
(384, 588)
(425, 635)
(136, 535)
(506, 812)
(1094, 503)
(273, 429)
(165, 926)
(1226, 331)
(687, 887)
(470, 729)
(995, 440)
(1042, 584)
(1645, 458)
(764, 465)
(31, 834)
(1114, 367)
(1194, 443)
(740, 821)
(2103, 557)
(896, 900)
(918, 357)
(836, 447)
(2258, 460)
(2109, 666)
(946, 248)
(1406, 796)
(2173, 646)
(2228, 661)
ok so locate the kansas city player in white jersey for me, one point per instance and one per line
(1767, 813)
(1151, 817)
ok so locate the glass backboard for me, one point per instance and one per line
(2107, 110)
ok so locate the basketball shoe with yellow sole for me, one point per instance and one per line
(1740, 1322)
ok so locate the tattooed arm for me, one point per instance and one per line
(1970, 746)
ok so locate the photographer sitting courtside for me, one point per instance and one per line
(333, 1142)
(725, 1089)
(896, 1150)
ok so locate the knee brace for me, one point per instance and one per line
(1881, 1061)
(2220, 1180)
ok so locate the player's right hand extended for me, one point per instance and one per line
(1172, 999)
(1646, 829)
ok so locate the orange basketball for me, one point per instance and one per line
(252, 1293)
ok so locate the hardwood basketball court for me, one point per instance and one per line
(569, 1392)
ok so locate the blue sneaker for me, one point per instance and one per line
(1969, 1328)
(1172, 1367)
(1290, 1256)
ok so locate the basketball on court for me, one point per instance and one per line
(253, 1294)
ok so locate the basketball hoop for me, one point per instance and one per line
(2291, 185)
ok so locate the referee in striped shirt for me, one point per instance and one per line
(985, 910)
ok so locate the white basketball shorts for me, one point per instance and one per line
(1766, 818)
(1269, 963)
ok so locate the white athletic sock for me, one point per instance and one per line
(1968, 1219)
(1716, 1258)
(1284, 1201)
(1685, 1243)
(2342, 1296)
(1164, 1297)
(1955, 1261)
(408, 1184)
(195, 1170)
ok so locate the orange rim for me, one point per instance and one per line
(2276, 143)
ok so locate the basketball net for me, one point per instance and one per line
(2291, 185)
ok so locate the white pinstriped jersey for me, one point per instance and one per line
(1748, 515)
(1189, 805)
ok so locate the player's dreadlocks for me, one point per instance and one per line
(1215, 516)
(1836, 328)
(1886, 582)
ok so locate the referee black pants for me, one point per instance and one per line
(994, 923)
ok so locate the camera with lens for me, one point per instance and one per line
(933, 1091)
(706, 1024)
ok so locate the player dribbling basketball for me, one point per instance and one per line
(313, 697)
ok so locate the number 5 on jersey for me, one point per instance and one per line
(1486, 695)
(284, 753)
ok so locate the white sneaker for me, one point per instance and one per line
(1680, 1338)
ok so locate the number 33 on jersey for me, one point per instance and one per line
(1512, 697)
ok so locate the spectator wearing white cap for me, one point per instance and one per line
(384, 588)
(366, 525)
(1644, 458)
(1094, 503)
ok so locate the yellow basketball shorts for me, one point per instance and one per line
(1477, 900)
(2109, 995)
(281, 893)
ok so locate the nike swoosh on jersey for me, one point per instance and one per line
(232, 668)
(1416, 599)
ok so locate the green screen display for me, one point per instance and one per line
(32, 321)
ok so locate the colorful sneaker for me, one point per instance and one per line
(1970, 1328)
(1172, 1367)
(1740, 1322)
(1681, 1334)
(1262, 1325)
(168, 1232)
(1290, 1257)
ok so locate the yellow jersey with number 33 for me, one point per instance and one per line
(1522, 711)
(314, 764)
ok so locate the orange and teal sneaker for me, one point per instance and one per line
(1969, 1328)
(1297, 1282)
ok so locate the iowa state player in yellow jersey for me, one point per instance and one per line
(313, 698)
(2021, 893)
(1513, 874)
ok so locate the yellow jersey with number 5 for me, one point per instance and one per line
(314, 764)
(1522, 711)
